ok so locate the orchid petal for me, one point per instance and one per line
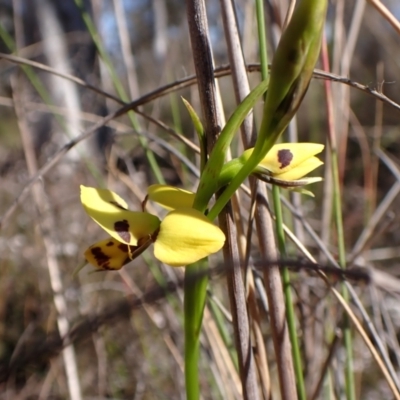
(284, 157)
(170, 197)
(185, 237)
(109, 254)
(300, 170)
(109, 211)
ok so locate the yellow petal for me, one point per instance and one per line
(286, 156)
(185, 237)
(170, 197)
(300, 170)
(109, 254)
(109, 211)
(103, 199)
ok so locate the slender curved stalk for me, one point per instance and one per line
(347, 336)
(290, 314)
(195, 288)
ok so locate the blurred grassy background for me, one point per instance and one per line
(148, 45)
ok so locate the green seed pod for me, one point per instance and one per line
(291, 70)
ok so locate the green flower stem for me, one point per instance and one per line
(198, 126)
(347, 336)
(195, 288)
(291, 71)
(290, 314)
(208, 183)
(262, 38)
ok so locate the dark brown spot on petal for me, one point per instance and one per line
(122, 228)
(110, 243)
(123, 247)
(285, 157)
(118, 205)
(102, 259)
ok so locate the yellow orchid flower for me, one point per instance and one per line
(183, 237)
(287, 163)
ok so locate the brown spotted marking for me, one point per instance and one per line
(123, 247)
(110, 243)
(122, 228)
(285, 157)
(103, 261)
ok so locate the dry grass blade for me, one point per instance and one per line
(47, 227)
(382, 9)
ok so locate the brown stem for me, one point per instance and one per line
(198, 28)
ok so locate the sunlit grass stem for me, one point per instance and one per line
(291, 319)
(347, 335)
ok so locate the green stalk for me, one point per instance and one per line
(337, 206)
(291, 72)
(196, 281)
(347, 336)
(195, 287)
(262, 38)
(208, 183)
(290, 314)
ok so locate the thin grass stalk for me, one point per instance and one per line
(219, 320)
(32, 77)
(337, 207)
(290, 313)
(212, 123)
(242, 89)
(386, 14)
(47, 225)
(284, 374)
(239, 76)
(343, 102)
(230, 384)
(126, 46)
(195, 289)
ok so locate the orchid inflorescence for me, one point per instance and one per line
(184, 235)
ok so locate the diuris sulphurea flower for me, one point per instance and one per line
(286, 165)
(289, 163)
(182, 237)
